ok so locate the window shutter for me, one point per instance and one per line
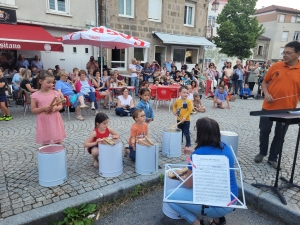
(154, 10)
(52, 4)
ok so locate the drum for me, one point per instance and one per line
(231, 138)
(110, 159)
(171, 142)
(146, 159)
(52, 165)
(167, 210)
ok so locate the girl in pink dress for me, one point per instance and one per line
(49, 125)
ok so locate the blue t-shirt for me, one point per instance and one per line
(226, 151)
(220, 96)
(65, 87)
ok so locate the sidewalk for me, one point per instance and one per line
(22, 200)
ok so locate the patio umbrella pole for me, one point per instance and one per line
(101, 55)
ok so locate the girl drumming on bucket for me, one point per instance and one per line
(47, 103)
(102, 130)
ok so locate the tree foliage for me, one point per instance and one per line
(239, 29)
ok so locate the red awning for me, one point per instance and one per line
(26, 37)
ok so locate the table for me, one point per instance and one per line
(174, 88)
(131, 88)
(286, 117)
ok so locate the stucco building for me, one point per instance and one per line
(174, 28)
(260, 52)
(282, 25)
(57, 17)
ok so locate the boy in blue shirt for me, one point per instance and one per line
(220, 97)
(245, 92)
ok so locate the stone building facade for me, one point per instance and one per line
(174, 28)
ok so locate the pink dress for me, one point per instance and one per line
(49, 127)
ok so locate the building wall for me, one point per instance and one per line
(265, 51)
(171, 22)
(267, 17)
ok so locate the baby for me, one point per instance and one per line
(198, 107)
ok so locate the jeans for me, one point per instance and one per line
(135, 82)
(237, 84)
(146, 77)
(132, 154)
(190, 211)
(265, 126)
(185, 128)
(122, 112)
(92, 98)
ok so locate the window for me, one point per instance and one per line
(189, 14)
(126, 8)
(86, 50)
(281, 18)
(154, 10)
(140, 54)
(284, 36)
(298, 19)
(74, 49)
(281, 51)
(293, 20)
(206, 63)
(186, 55)
(211, 21)
(118, 58)
(296, 36)
(8, 2)
(260, 50)
(160, 54)
(59, 5)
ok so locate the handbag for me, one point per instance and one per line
(235, 76)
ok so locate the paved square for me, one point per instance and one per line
(19, 188)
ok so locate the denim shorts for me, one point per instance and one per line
(2, 98)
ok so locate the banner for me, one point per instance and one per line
(8, 16)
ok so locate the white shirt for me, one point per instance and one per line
(190, 97)
(133, 67)
(124, 101)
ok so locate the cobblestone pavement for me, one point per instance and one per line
(19, 188)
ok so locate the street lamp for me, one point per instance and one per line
(215, 4)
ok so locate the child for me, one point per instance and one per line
(101, 131)
(220, 97)
(245, 93)
(156, 82)
(145, 104)
(3, 82)
(182, 108)
(49, 125)
(198, 107)
(138, 131)
(163, 81)
(186, 80)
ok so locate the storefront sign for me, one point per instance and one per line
(8, 16)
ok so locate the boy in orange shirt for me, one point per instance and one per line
(138, 131)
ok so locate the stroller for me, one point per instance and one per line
(259, 82)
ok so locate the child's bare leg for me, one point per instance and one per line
(222, 105)
(4, 109)
(95, 153)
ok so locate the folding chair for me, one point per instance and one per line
(27, 99)
(164, 94)
(67, 104)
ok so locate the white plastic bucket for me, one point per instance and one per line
(146, 159)
(171, 143)
(110, 159)
(167, 210)
(52, 165)
(231, 138)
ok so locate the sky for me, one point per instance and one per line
(287, 3)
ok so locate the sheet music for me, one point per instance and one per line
(211, 180)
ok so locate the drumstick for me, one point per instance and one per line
(108, 141)
(141, 142)
(175, 125)
(57, 103)
(149, 141)
(53, 101)
(285, 97)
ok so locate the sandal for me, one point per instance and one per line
(126, 152)
(80, 118)
(105, 107)
(96, 164)
(222, 221)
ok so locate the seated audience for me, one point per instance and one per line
(100, 87)
(125, 105)
(25, 81)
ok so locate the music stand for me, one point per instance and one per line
(286, 117)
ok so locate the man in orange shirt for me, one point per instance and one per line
(281, 86)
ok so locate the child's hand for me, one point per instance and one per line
(214, 107)
(187, 150)
(133, 147)
(115, 136)
(48, 109)
(183, 120)
(149, 120)
(228, 107)
(175, 114)
(99, 140)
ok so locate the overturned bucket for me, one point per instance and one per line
(171, 142)
(231, 138)
(52, 165)
(146, 159)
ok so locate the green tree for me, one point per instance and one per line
(239, 29)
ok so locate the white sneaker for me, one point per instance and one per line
(250, 98)
(96, 112)
(93, 108)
